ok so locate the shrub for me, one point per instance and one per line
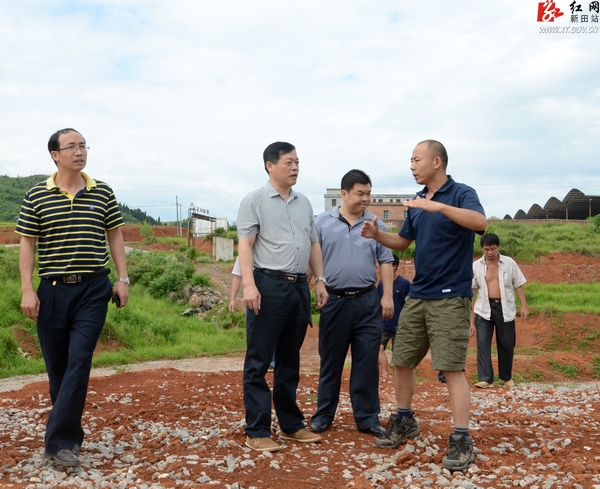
(146, 230)
(171, 281)
(200, 279)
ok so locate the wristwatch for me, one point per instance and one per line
(124, 279)
(321, 279)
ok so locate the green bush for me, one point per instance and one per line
(596, 222)
(200, 279)
(146, 230)
(170, 281)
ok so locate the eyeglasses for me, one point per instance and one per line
(71, 149)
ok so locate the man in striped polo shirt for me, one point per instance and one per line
(69, 217)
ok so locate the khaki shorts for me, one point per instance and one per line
(440, 324)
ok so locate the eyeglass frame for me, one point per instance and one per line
(73, 149)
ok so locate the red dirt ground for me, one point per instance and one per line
(171, 396)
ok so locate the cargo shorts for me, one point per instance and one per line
(442, 325)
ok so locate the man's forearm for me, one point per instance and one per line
(117, 250)
(392, 240)
(27, 262)
(466, 218)
(387, 279)
(315, 260)
(245, 246)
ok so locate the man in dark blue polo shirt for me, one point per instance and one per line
(442, 220)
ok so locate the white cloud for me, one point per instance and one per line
(179, 98)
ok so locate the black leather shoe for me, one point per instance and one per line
(376, 430)
(63, 457)
(319, 427)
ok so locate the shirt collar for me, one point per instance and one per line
(500, 259)
(447, 184)
(272, 192)
(366, 216)
(90, 183)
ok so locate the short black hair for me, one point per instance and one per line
(353, 177)
(396, 261)
(53, 144)
(274, 151)
(437, 149)
(489, 239)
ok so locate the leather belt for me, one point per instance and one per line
(349, 293)
(497, 301)
(294, 278)
(78, 277)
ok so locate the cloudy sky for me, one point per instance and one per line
(178, 98)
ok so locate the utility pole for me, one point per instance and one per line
(177, 214)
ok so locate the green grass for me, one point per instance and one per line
(147, 333)
(596, 367)
(149, 328)
(567, 370)
(525, 242)
(553, 299)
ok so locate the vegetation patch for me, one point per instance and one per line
(570, 371)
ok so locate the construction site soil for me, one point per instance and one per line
(145, 410)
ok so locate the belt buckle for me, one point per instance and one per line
(351, 295)
(71, 279)
(288, 277)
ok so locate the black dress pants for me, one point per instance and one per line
(355, 324)
(279, 328)
(69, 323)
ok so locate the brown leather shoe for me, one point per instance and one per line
(303, 436)
(484, 385)
(262, 444)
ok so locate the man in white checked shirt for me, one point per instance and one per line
(277, 244)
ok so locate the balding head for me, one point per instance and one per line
(436, 149)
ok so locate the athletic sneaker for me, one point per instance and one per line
(459, 454)
(398, 429)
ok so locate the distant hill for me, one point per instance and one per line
(13, 189)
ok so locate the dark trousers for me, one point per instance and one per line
(279, 328)
(506, 339)
(69, 323)
(354, 323)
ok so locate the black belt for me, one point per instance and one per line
(497, 301)
(294, 278)
(81, 277)
(349, 293)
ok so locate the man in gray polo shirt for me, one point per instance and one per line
(277, 243)
(352, 316)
